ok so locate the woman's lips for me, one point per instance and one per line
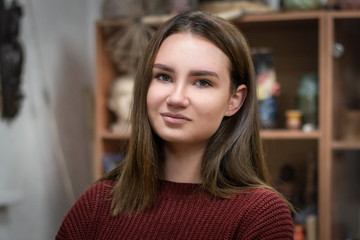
(174, 118)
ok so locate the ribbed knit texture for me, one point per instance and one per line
(182, 211)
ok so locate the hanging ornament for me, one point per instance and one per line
(11, 60)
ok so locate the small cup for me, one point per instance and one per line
(293, 119)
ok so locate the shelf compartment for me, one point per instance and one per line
(345, 197)
(295, 49)
(346, 73)
(297, 163)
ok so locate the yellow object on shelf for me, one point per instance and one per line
(293, 119)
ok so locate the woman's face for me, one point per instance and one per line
(189, 93)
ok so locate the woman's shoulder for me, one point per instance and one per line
(96, 193)
(262, 201)
(102, 186)
(261, 194)
(100, 189)
(97, 197)
(264, 215)
(93, 204)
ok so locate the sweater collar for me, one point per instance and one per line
(175, 189)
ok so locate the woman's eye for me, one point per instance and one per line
(163, 77)
(203, 83)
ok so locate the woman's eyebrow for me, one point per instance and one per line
(164, 67)
(199, 73)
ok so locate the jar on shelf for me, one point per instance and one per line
(293, 119)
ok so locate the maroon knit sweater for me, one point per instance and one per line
(182, 211)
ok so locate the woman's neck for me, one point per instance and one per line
(183, 163)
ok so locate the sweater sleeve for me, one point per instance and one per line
(79, 221)
(269, 218)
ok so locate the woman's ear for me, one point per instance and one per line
(236, 100)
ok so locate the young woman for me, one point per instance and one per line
(194, 168)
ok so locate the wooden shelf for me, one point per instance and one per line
(115, 136)
(345, 14)
(113, 22)
(289, 134)
(345, 145)
(281, 16)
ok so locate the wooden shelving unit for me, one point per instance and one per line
(301, 42)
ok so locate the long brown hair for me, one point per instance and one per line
(233, 159)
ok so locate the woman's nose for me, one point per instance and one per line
(178, 97)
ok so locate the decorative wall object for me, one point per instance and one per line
(11, 60)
